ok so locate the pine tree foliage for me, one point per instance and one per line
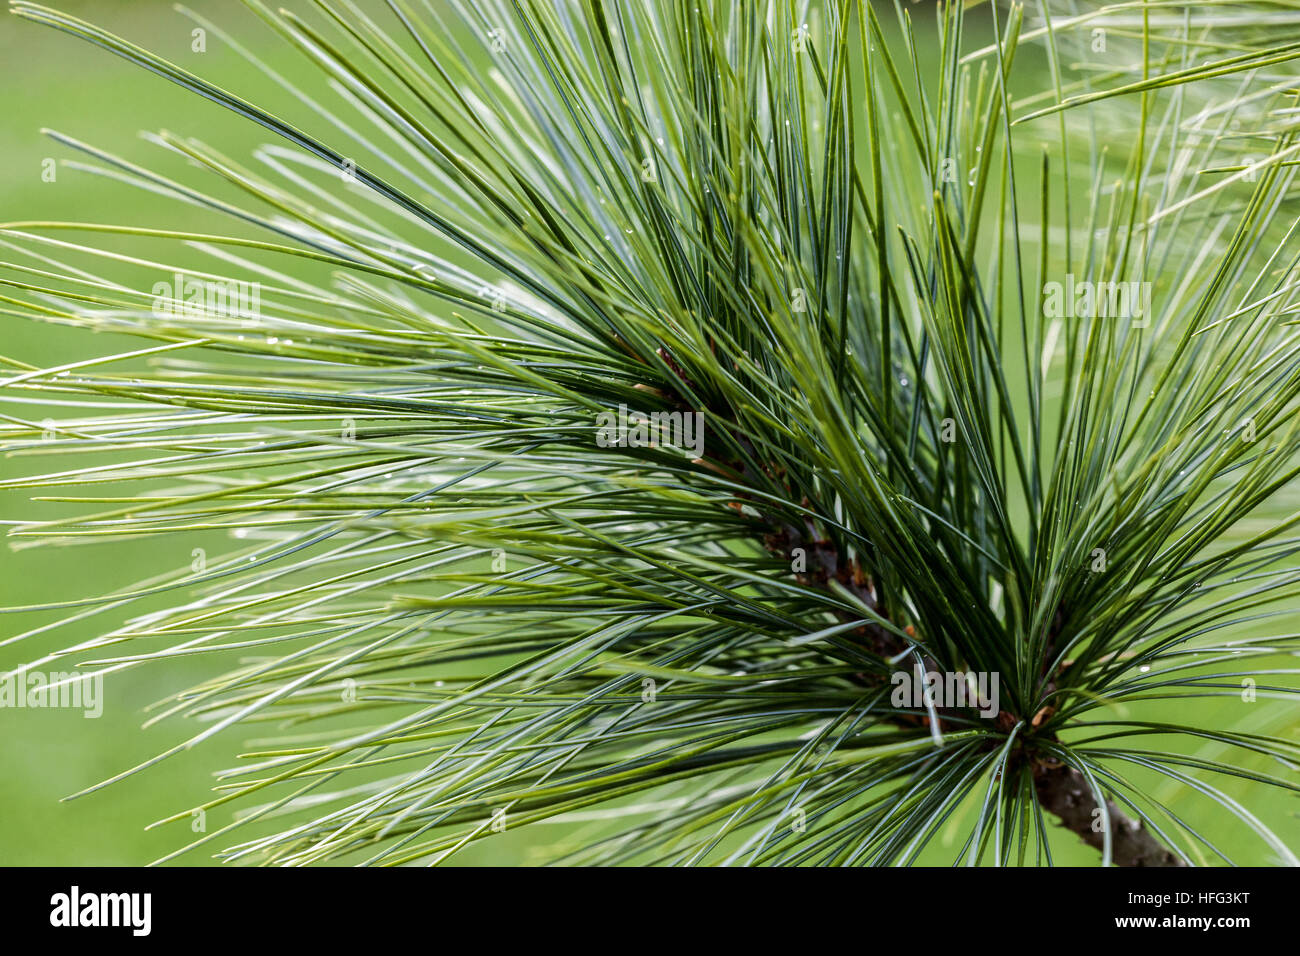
(462, 601)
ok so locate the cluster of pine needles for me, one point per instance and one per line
(824, 228)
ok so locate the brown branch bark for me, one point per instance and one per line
(1064, 792)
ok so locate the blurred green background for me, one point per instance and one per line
(56, 82)
(52, 80)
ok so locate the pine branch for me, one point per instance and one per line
(821, 237)
(1064, 792)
